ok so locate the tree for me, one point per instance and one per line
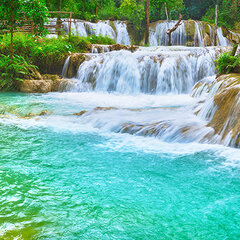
(147, 22)
(157, 9)
(15, 11)
(133, 11)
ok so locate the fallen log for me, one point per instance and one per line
(169, 31)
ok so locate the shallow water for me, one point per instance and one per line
(75, 177)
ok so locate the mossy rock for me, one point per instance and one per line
(75, 61)
(190, 30)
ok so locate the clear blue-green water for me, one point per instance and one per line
(63, 178)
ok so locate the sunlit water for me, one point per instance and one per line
(74, 177)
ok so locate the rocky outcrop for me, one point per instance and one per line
(48, 83)
(221, 108)
(76, 59)
(98, 48)
(226, 120)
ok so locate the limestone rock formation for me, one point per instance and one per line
(226, 120)
(49, 83)
(221, 108)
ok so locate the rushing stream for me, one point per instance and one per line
(126, 165)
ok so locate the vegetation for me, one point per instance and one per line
(45, 53)
(228, 14)
(227, 63)
(134, 10)
(14, 11)
(12, 70)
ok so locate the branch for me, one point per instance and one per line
(169, 31)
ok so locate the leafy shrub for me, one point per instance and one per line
(13, 70)
(93, 39)
(227, 63)
(49, 53)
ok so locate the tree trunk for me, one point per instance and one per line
(11, 42)
(234, 50)
(70, 25)
(169, 31)
(166, 11)
(215, 29)
(147, 22)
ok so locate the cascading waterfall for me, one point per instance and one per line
(190, 33)
(198, 36)
(122, 33)
(154, 71)
(222, 41)
(162, 76)
(116, 30)
(159, 37)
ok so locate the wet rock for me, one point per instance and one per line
(226, 120)
(43, 86)
(207, 40)
(75, 61)
(190, 31)
(42, 113)
(104, 108)
(118, 47)
(80, 113)
(36, 86)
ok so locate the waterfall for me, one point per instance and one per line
(198, 36)
(158, 36)
(190, 32)
(122, 33)
(222, 41)
(158, 70)
(116, 30)
(65, 66)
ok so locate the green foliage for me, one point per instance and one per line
(15, 11)
(228, 13)
(93, 39)
(227, 63)
(12, 70)
(49, 52)
(174, 7)
(133, 11)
